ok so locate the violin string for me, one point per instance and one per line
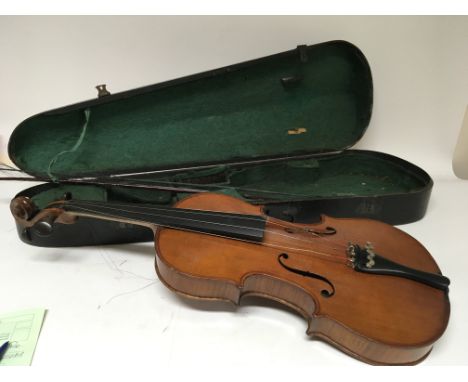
(193, 211)
(322, 237)
(328, 255)
(154, 207)
(206, 213)
(324, 256)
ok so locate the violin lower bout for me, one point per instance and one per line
(331, 331)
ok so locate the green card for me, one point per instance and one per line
(22, 330)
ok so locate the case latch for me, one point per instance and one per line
(102, 91)
(291, 81)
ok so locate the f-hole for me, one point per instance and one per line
(323, 292)
(315, 232)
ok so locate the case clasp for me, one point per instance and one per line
(102, 91)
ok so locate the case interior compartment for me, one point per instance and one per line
(273, 131)
(310, 100)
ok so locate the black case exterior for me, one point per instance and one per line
(393, 209)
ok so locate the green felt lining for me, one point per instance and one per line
(102, 194)
(234, 114)
(351, 173)
(348, 174)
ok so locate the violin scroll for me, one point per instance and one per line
(22, 208)
(28, 215)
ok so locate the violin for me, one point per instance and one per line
(364, 286)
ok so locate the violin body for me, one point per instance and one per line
(378, 319)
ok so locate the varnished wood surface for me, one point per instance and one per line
(378, 319)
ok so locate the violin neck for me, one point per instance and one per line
(235, 226)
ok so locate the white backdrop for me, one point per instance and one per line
(420, 72)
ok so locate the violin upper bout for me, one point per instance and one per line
(218, 202)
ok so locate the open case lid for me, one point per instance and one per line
(310, 100)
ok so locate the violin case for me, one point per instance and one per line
(274, 131)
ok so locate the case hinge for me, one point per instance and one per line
(302, 49)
